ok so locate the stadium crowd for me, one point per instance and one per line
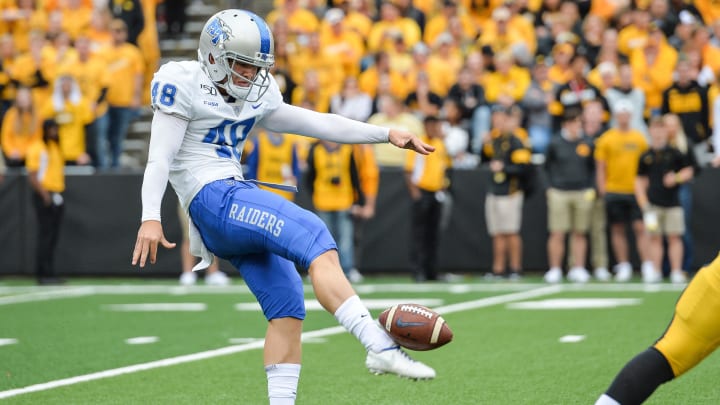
(507, 81)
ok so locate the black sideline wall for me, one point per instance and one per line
(103, 212)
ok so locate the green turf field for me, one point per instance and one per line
(68, 345)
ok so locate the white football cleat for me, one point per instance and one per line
(188, 278)
(602, 274)
(395, 361)
(623, 272)
(217, 278)
(578, 275)
(678, 277)
(553, 276)
(354, 276)
(649, 274)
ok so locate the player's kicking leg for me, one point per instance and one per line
(693, 334)
(337, 296)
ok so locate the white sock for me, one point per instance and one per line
(555, 269)
(353, 315)
(282, 383)
(606, 400)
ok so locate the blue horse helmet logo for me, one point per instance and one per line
(218, 31)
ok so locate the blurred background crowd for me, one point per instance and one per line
(472, 73)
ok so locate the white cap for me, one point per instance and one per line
(444, 39)
(334, 15)
(501, 13)
(686, 17)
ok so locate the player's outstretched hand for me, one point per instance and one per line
(149, 235)
(406, 140)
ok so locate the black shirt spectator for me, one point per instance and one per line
(467, 93)
(689, 101)
(570, 164)
(655, 164)
(576, 92)
(131, 12)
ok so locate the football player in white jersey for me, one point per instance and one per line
(204, 111)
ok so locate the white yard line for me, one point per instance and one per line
(335, 330)
(24, 294)
(46, 295)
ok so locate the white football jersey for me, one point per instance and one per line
(217, 130)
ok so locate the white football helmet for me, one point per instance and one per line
(237, 36)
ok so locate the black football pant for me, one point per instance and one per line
(49, 219)
(426, 213)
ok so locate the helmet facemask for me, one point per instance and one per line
(251, 89)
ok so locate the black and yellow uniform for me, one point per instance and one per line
(515, 156)
(274, 159)
(45, 165)
(574, 94)
(332, 177)
(655, 164)
(690, 103)
(693, 334)
(428, 174)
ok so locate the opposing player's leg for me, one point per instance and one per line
(693, 334)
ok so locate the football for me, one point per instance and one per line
(415, 327)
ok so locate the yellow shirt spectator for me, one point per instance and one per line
(149, 45)
(711, 57)
(273, 159)
(427, 172)
(91, 73)
(99, 32)
(72, 112)
(25, 68)
(46, 162)
(380, 75)
(332, 175)
(391, 115)
(19, 131)
(21, 26)
(126, 67)
(653, 72)
(505, 31)
(300, 21)
(709, 10)
(368, 170)
(507, 81)
(560, 72)
(439, 23)
(604, 9)
(631, 38)
(315, 57)
(443, 66)
(359, 23)
(621, 153)
(342, 45)
(392, 24)
(76, 18)
(311, 94)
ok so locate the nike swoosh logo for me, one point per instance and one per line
(399, 322)
(255, 107)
